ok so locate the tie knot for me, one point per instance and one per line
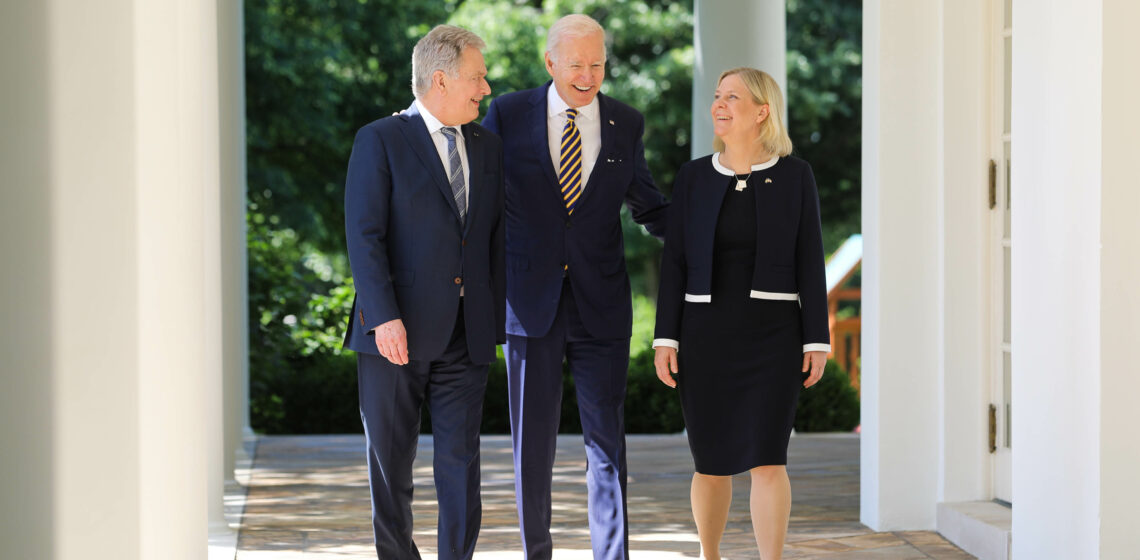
(571, 114)
(448, 131)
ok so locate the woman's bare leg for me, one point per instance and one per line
(771, 504)
(711, 497)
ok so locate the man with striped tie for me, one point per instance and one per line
(424, 224)
(572, 157)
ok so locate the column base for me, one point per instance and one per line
(980, 528)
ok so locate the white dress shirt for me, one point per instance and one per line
(589, 126)
(440, 139)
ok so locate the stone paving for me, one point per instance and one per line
(307, 498)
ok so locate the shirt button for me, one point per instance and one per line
(458, 280)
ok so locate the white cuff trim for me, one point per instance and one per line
(667, 343)
(774, 295)
(817, 347)
(698, 298)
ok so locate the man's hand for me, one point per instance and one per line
(665, 362)
(392, 341)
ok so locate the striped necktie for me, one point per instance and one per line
(570, 163)
(455, 174)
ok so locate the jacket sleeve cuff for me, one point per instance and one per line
(817, 347)
(667, 342)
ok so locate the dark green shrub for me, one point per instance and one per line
(650, 406)
(832, 405)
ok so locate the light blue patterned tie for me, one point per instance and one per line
(458, 188)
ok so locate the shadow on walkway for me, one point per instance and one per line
(307, 497)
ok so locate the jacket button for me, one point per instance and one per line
(567, 224)
(458, 280)
(463, 243)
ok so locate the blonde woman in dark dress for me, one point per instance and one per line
(742, 307)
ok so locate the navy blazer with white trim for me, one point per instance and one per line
(789, 250)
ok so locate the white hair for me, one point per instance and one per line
(572, 26)
(440, 49)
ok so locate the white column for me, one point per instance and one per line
(963, 448)
(112, 130)
(96, 312)
(1057, 299)
(235, 308)
(27, 396)
(728, 34)
(903, 288)
(175, 121)
(1119, 281)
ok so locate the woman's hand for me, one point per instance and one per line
(666, 364)
(813, 362)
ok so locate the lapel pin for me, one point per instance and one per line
(767, 179)
(611, 121)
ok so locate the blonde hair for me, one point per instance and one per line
(765, 91)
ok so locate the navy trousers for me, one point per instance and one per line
(390, 400)
(534, 371)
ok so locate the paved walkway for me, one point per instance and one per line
(307, 498)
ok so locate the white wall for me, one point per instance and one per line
(903, 290)
(728, 34)
(1119, 283)
(1056, 187)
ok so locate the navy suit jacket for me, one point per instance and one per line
(543, 239)
(409, 251)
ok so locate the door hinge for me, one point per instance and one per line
(993, 428)
(993, 184)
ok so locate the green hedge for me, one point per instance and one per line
(831, 405)
(317, 394)
(303, 382)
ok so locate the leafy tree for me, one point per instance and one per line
(824, 105)
(316, 71)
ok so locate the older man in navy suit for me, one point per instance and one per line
(423, 218)
(572, 156)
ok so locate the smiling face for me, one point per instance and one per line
(578, 68)
(460, 95)
(736, 116)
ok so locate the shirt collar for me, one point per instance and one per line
(556, 106)
(433, 124)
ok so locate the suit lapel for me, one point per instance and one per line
(475, 169)
(540, 143)
(416, 133)
(607, 141)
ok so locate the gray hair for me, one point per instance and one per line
(573, 26)
(440, 49)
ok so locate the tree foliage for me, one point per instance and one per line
(316, 71)
(825, 66)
